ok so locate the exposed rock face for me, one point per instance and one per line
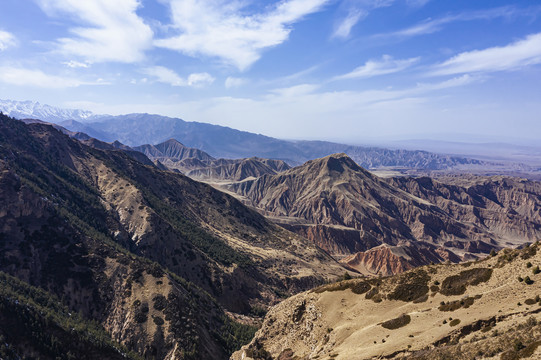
(199, 165)
(432, 312)
(344, 209)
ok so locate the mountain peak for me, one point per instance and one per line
(335, 163)
(171, 142)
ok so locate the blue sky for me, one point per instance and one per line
(350, 70)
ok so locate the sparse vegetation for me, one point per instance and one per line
(454, 322)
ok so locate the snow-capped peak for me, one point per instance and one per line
(35, 110)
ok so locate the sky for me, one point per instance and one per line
(345, 70)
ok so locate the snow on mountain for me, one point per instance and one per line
(35, 110)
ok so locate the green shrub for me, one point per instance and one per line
(454, 322)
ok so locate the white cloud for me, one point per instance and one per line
(387, 65)
(344, 28)
(168, 76)
(76, 64)
(223, 29)
(514, 56)
(37, 78)
(233, 82)
(114, 33)
(6, 40)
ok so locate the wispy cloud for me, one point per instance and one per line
(6, 40)
(114, 33)
(233, 82)
(430, 26)
(223, 29)
(514, 56)
(387, 65)
(168, 76)
(37, 78)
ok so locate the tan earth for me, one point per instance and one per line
(498, 316)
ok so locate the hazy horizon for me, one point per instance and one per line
(347, 71)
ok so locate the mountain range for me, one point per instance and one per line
(223, 142)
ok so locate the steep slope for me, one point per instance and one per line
(348, 211)
(86, 224)
(485, 309)
(53, 237)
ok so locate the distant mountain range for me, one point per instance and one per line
(35, 110)
(224, 142)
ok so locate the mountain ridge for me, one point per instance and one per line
(348, 212)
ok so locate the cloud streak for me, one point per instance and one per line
(387, 65)
(114, 31)
(222, 29)
(511, 57)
